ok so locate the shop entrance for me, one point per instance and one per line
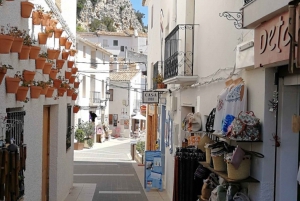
(287, 157)
(45, 154)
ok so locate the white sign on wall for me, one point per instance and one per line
(150, 97)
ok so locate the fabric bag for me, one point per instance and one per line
(239, 196)
(245, 127)
(194, 122)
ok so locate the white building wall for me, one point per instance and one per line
(61, 161)
(85, 69)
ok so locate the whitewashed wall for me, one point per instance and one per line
(61, 161)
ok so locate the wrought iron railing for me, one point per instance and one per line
(246, 2)
(16, 128)
(95, 97)
(179, 48)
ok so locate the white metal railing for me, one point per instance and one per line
(61, 20)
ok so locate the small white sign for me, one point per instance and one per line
(150, 97)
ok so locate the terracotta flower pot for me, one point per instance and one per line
(3, 71)
(72, 53)
(70, 64)
(26, 8)
(12, 84)
(6, 43)
(22, 93)
(24, 54)
(51, 53)
(68, 74)
(53, 74)
(74, 70)
(17, 45)
(62, 41)
(36, 18)
(75, 109)
(76, 85)
(34, 52)
(40, 63)
(57, 33)
(60, 63)
(74, 96)
(57, 54)
(28, 76)
(48, 30)
(43, 37)
(44, 90)
(35, 91)
(70, 92)
(53, 23)
(50, 92)
(61, 91)
(46, 19)
(72, 79)
(68, 45)
(57, 83)
(65, 55)
(47, 68)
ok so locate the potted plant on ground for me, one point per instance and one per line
(89, 130)
(3, 70)
(79, 136)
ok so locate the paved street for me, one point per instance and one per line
(106, 172)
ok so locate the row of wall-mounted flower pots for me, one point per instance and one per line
(12, 86)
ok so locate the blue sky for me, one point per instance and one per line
(137, 5)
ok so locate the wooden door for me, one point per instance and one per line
(45, 159)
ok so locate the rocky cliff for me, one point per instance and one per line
(120, 11)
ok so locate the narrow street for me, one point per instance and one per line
(106, 172)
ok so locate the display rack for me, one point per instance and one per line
(225, 177)
(226, 138)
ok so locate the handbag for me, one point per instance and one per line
(245, 127)
(239, 196)
(195, 122)
(210, 121)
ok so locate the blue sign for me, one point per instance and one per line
(153, 170)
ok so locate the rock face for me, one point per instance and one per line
(120, 11)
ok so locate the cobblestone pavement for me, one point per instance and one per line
(106, 172)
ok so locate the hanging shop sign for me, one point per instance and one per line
(150, 97)
(271, 41)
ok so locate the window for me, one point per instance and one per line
(93, 59)
(105, 43)
(102, 88)
(111, 92)
(84, 86)
(122, 48)
(92, 82)
(116, 43)
(83, 52)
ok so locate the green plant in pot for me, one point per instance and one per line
(89, 131)
(79, 136)
(159, 80)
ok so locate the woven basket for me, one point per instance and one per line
(219, 163)
(242, 172)
(208, 155)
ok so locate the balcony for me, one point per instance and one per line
(246, 2)
(179, 56)
(95, 97)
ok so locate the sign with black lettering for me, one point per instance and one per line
(150, 97)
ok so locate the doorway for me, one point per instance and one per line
(46, 154)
